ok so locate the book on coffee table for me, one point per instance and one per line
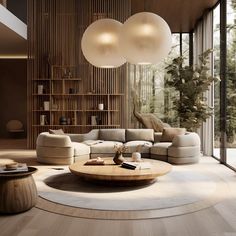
(21, 168)
(144, 165)
(128, 165)
(136, 165)
(97, 161)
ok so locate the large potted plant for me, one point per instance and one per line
(191, 83)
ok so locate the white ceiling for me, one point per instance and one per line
(13, 35)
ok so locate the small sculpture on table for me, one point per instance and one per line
(119, 150)
(136, 156)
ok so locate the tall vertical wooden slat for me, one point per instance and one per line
(55, 29)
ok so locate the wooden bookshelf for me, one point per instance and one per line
(64, 92)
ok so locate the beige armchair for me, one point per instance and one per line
(184, 149)
(59, 149)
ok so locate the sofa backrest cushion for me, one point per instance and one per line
(140, 134)
(112, 135)
(56, 131)
(157, 137)
(168, 134)
(53, 140)
(187, 140)
(92, 135)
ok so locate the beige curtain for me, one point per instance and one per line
(203, 40)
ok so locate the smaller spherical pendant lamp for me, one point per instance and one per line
(145, 38)
(100, 44)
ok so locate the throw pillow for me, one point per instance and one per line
(56, 131)
(168, 134)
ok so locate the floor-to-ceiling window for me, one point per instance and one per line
(216, 57)
(225, 93)
(231, 84)
(148, 90)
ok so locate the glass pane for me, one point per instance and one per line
(185, 48)
(231, 83)
(147, 85)
(216, 44)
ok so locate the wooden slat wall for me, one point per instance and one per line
(55, 29)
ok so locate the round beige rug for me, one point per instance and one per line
(182, 191)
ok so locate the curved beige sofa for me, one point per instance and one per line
(66, 149)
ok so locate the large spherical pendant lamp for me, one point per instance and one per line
(100, 44)
(145, 38)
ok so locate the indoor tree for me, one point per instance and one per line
(191, 83)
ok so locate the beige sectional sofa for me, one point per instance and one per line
(68, 148)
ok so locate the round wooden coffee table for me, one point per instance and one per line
(111, 172)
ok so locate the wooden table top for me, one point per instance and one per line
(31, 170)
(113, 172)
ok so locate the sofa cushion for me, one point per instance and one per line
(55, 160)
(160, 148)
(80, 149)
(168, 134)
(112, 135)
(53, 140)
(104, 147)
(56, 131)
(140, 134)
(183, 160)
(133, 145)
(187, 140)
(58, 152)
(184, 151)
(92, 135)
(157, 137)
(150, 121)
(92, 142)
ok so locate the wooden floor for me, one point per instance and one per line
(219, 220)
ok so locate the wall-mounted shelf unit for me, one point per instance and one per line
(64, 97)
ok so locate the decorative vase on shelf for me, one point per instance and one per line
(98, 120)
(136, 156)
(46, 105)
(62, 120)
(42, 119)
(118, 158)
(93, 120)
(40, 89)
(100, 106)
